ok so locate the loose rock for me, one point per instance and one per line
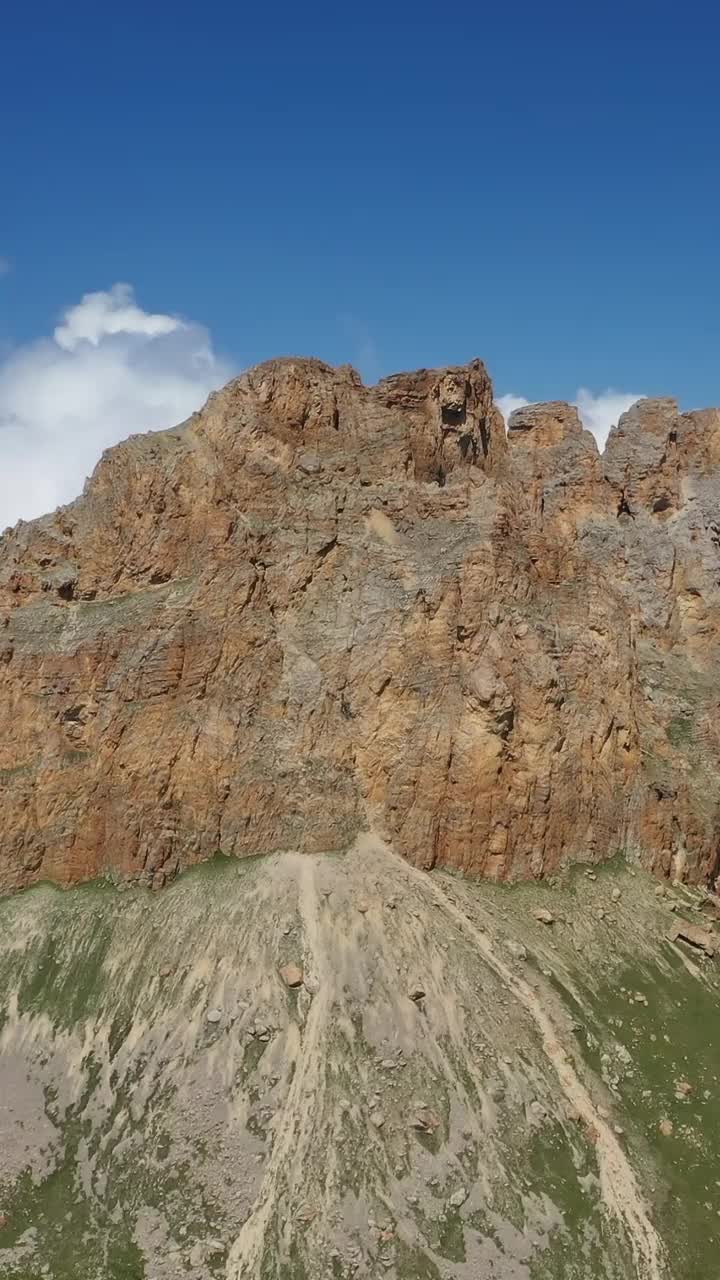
(426, 1120)
(698, 937)
(292, 975)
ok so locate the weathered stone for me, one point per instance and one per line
(425, 1119)
(292, 975)
(318, 608)
(517, 950)
(458, 1198)
(703, 939)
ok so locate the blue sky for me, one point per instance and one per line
(395, 185)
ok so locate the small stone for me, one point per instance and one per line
(417, 992)
(4, 1220)
(543, 915)
(363, 906)
(213, 1015)
(517, 949)
(377, 1118)
(458, 1198)
(616, 895)
(308, 463)
(683, 1088)
(665, 1127)
(292, 975)
(426, 1120)
(165, 971)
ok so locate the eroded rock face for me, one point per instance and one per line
(318, 608)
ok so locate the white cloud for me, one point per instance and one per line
(509, 403)
(100, 315)
(109, 370)
(598, 413)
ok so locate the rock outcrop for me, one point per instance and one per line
(318, 608)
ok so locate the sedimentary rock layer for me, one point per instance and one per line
(318, 608)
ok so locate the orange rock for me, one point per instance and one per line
(318, 608)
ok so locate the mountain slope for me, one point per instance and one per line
(457, 1087)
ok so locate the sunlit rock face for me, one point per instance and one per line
(318, 609)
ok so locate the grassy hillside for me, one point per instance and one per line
(457, 1089)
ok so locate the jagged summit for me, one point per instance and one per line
(319, 608)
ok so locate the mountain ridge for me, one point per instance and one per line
(318, 609)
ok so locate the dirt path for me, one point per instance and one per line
(285, 1173)
(304, 1101)
(619, 1186)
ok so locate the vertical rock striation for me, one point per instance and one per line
(318, 608)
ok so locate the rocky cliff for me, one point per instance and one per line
(318, 608)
